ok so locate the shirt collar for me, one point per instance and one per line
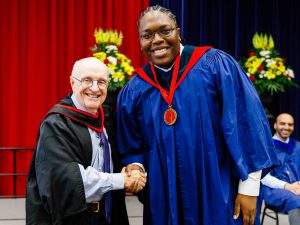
(275, 137)
(168, 69)
(78, 105)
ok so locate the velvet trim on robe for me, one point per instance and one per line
(288, 171)
(55, 191)
(194, 166)
(93, 121)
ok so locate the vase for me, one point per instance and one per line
(267, 101)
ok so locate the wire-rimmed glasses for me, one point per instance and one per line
(88, 82)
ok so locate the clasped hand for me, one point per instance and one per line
(135, 178)
(293, 187)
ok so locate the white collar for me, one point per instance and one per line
(275, 137)
(78, 105)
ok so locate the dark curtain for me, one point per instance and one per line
(229, 25)
(39, 41)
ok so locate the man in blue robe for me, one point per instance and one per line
(192, 120)
(281, 187)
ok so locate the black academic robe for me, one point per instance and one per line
(55, 191)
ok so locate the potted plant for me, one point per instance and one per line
(266, 68)
(106, 49)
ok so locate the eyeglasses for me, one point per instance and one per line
(166, 32)
(88, 82)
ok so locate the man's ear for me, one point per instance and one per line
(178, 29)
(72, 82)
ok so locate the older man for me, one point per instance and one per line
(70, 179)
(281, 187)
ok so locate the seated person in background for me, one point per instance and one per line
(281, 187)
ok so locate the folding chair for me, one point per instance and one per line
(273, 214)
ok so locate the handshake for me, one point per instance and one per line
(134, 178)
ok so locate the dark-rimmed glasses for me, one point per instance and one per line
(88, 82)
(149, 35)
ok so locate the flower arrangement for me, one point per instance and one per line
(265, 68)
(106, 50)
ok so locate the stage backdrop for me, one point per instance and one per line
(229, 25)
(39, 42)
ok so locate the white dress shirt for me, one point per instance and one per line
(271, 181)
(96, 183)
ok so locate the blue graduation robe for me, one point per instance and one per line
(194, 166)
(289, 171)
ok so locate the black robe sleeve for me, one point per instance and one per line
(55, 189)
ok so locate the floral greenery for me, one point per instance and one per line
(106, 49)
(265, 68)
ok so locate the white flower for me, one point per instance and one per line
(110, 48)
(265, 53)
(289, 73)
(248, 74)
(112, 60)
(270, 62)
(262, 74)
(111, 72)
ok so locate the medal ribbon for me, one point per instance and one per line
(168, 95)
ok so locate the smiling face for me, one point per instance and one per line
(284, 126)
(161, 50)
(90, 97)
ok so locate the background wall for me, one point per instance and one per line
(230, 24)
(41, 39)
(39, 42)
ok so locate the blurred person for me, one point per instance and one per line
(193, 121)
(281, 187)
(71, 179)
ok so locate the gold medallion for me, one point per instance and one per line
(170, 116)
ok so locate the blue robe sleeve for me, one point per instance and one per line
(244, 125)
(130, 145)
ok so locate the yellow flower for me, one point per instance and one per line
(118, 76)
(105, 37)
(253, 63)
(111, 66)
(261, 41)
(119, 39)
(271, 42)
(98, 34)
(106, 50)
(120, 56)
(127, 68)
(100, 55)
(270, 75)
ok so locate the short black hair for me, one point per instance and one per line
(160, 9)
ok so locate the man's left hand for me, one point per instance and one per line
(248, 206)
